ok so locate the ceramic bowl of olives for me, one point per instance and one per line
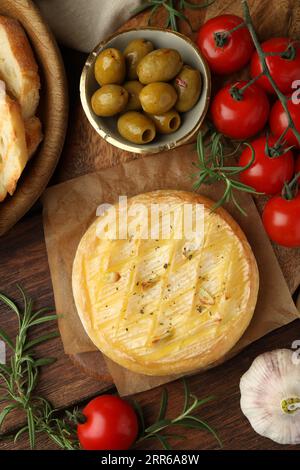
(146, 90)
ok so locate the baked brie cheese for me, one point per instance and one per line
(165, 285)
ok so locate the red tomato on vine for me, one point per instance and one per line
(279, 121)
(226, 51)
(281, 219)
(284, 67)
(271, 168)
(297, 167)
(240, 113)
(111, 424)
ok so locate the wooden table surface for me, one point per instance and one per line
(23, 260)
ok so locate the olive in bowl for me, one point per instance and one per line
(109, 100)
(110, 67)
(172, 51)
(187, 84)
(158, 98)
(166, 123)
(160, 65)
(134, 52)
(134, 88)
(136, 127)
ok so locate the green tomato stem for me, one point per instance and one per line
(280, 139)
(221, 37)
(288, 54)
(290, 190)
(265, 68)
(238, 93)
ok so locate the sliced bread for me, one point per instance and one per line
(18, 67)
(13, 148)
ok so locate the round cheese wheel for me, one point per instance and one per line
(165, 285)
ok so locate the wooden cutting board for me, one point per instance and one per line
(86, 152)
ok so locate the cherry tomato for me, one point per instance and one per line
(297, 165)
(279, 121)
(266, 174)
(225, 53)
(284, 71)
(281, 219)
(111, 424)
(240, 119)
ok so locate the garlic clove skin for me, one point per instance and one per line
(270, 396)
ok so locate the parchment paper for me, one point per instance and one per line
(70, 207)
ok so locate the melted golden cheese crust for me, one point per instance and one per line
(166, 306)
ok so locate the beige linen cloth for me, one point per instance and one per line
(82, 24)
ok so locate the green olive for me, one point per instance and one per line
(110, 67)
(158, 98)
(136, 127)
(109, 100)
(166, 123)
(160, 65)
(134, 52)
(188, 84)
(134, 88)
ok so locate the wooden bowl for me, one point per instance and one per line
(191, 120)
(53, 111)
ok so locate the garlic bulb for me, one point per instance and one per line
(270, 396)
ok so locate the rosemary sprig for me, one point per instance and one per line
(20, 378)
(185, 419)
(212, 168)
(173, 13)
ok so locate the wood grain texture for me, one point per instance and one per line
(24, 261)
(53, 111)
(86, 151)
